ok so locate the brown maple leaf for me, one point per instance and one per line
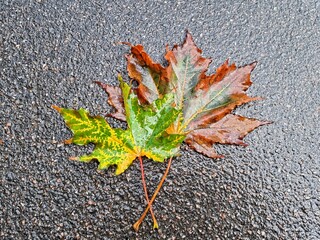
(206, 101)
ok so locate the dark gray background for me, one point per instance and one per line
(52, 51)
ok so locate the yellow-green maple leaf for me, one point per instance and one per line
(146, 134)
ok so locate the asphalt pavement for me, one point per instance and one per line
(52, 51)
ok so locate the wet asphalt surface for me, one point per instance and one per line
(52, 51)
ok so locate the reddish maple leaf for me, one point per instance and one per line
(206, 101)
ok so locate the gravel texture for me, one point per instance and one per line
(52, 51)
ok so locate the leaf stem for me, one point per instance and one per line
(155, 223)
(137, 224)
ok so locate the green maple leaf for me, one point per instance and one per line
(146, 134)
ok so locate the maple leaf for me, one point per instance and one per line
(146, 134)
(206, 101)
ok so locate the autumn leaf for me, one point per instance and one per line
(205, 101)
(146, 134)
